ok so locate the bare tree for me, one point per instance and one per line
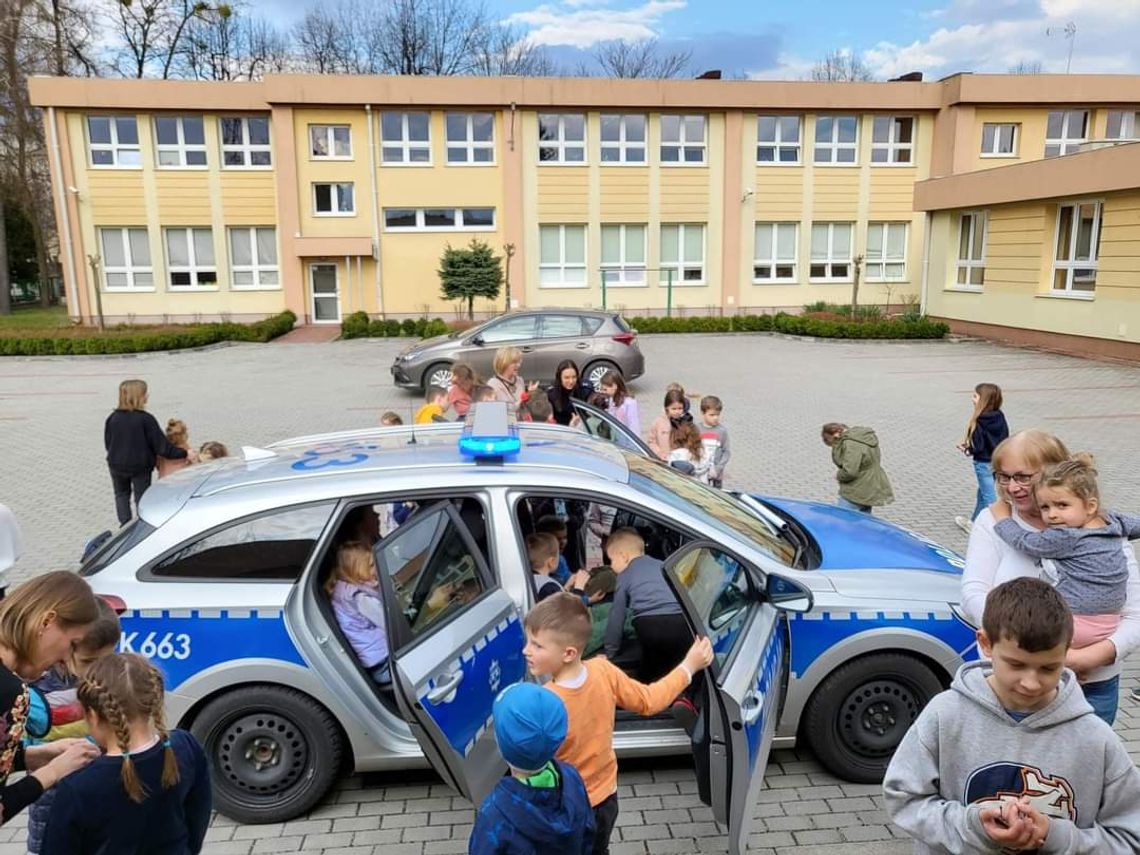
(437, 37)
(233, 47)
(646, 58)
(841, 65)
(151, 33)
(1027, 67)
(505, 50)
(319, 43)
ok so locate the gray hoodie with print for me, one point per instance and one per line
(965, 753)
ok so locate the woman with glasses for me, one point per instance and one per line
(1017, 464)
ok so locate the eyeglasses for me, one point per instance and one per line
(1022, 478)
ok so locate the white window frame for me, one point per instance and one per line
(181, 149)
(335, 211)
(245, 148)
(469, 145)
(1071, 265)
(1129, 125)
(329, 133)
(893, 147)
(258, 268)
(117, 149)
(832, 145)
(683, 143)
(131, 269)
(778, 144)
(193, 268)
(622, 145)
(831, 260)
(562, 265)
(684, 263)
(624, 273)
(1066, 144)
(459, 215)
(880, 261)
(771, 258)
(560, 144)
(994, 151)
(964, 269)
(404, 144)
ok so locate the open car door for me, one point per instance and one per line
(601, 424)
(456, 640)
(743, 689)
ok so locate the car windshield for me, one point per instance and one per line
(691, 498)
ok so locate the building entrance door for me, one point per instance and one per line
(325, 293)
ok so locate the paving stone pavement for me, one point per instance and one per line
(777, 392)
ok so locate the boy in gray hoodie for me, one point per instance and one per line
(1011, 757)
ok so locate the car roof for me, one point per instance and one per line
(594, 313)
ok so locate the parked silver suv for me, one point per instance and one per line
(597, 341)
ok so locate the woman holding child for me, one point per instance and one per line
(1018, 464)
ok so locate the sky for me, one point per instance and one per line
(780, 40)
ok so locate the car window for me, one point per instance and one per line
(124, 540)
(562, 326)
(719, 589)
(271, 547)
(511, 329)
(597, 425)
(432, 569)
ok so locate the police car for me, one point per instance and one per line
(222, 582)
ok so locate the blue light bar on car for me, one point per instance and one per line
(489, 433)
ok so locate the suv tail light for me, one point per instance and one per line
(625, 337)
(116, 603)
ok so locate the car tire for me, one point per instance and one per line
(594, 372)
(273, 752)
(857, 716)
(436, 374)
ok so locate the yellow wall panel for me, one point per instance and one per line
(684, 194)
(183, 197)
(410, 265)
(440, 186)
(835, 194)
(563, 191)
(623, 194)
(249, 198)
(116, 196)
(891, 193)
(311, 170)
(778, 193)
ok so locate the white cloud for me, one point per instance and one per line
(580, 24)
(788, 67)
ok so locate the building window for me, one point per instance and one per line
(405, 138)
(562, 262)
(774, 257)
(778, 139)
(831, 252)
(334, 200)
(1078, 247)
(470, 137)
(972, 249)
(836, 139)
(683, 252)
(1066, 131)
(562, 137)
(682, 139)
(439, 219)
(113, 141)
(892, 139)
(623, 138)
(245, 142)
(623, 254)
(886, 252)
(1123, 125)
(126, 260)
(180, 141)
(190, 258)
(330, 142)
(999, 139)
(253, 257)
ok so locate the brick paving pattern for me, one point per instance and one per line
(777, 392)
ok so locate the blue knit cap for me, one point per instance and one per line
(530, 724)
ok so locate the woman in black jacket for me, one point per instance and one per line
(133, 440)
(567, 388)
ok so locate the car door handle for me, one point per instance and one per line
(527, 349)
(751, 707)
(582, 346)
(439, 695)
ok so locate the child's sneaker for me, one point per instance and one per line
(685, 714)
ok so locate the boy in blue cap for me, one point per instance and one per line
(541, 807)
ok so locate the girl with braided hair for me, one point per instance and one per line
(151, 788)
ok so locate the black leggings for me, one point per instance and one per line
(664, 639)
(124, 484)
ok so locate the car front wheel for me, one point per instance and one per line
(859, 713)
(273, 752)
(438, 374)
(595, 371)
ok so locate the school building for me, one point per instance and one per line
(1008, 205)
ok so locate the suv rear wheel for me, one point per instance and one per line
(595, 371)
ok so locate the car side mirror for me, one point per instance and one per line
(477, 340)
(788, 596)
(683, 466)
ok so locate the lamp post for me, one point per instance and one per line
(509, 251)
(93, 260)
(858, 264)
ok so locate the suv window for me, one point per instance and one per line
(560, 326)
(511, 329)
(270, 547)
(124, 540)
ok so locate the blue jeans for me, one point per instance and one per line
(851, 506)
(986, 495)
(381, 673)
(1103, 696)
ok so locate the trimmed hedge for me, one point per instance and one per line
(358, 325)
(143, 340)
(795, 325)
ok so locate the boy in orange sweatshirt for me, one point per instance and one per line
(557, 629)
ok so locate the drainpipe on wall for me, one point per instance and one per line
(65, 220)
(925, 262)
(375, 210)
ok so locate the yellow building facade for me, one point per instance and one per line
(327, 195)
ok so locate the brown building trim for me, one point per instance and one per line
(320, 247)
(1104, 170)
(1073, 345)
(288, 210)
(129, 95)
(730, 227)
(514, 268)
(1071, 89)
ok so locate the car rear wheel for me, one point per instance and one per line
(859, 713)
(438, 374)
(595, 371)
(273, 752)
